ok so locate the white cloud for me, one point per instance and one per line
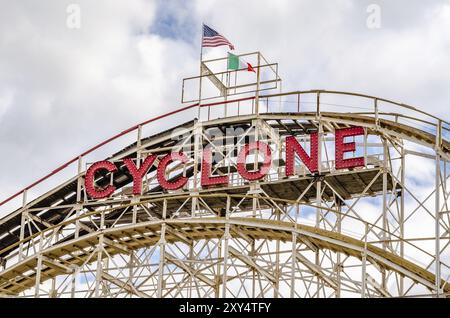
(63, 90)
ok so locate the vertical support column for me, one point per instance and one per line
(437, 227)
(226, 237)
(338, 256)
(385, 198)
(294, 252)
(255, 187)
(131, 263)
(318, 201)
(24, 198)
(99, 278)
(197, 159)
(39, 266)
(376, 113)
(225, 260)
(138, 165)
(76, 271)
(38, 275)
(53, 292)
(385, 167)
(318, 106)
(252, 252)
(276, 290)
(319, 189)
(258, 79)
(280, 99)
(365, 147)
(218, 268)
(78, 204)
(162, 251)
(190, 258)
(78, 208)
(225, 97)
(162, 255)
(319, 167)
(318, 281)
(438, 208)
(364, 261)
(23, 220)
(402, 217)
(281, 174)
(293, 262)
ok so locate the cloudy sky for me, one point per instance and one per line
(64, 89)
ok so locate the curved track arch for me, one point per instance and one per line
(120, 241)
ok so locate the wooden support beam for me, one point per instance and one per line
(53, 263)
(118, 246)
(337, 186)
(39, 220)
(317, 270)
(241, 234)
(371, 281)
(249, 262)
(308, 243)
(188, 269)
(124, 285)
(172, 231)
(86, 227)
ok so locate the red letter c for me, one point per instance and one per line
(90, 180)
(241, 162)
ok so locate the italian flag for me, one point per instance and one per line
(235, 63)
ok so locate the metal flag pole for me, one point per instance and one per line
(200, 81)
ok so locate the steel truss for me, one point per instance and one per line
(350, 233)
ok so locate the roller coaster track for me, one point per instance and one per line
(128, 225)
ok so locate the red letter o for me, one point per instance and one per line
(166, 184)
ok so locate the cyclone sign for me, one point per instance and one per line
(292, 148)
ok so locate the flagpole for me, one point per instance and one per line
(197, 137)
(200, 81)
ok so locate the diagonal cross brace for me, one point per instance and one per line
(249, 262)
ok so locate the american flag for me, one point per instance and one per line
(212, 39)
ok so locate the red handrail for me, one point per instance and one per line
(133, 128)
